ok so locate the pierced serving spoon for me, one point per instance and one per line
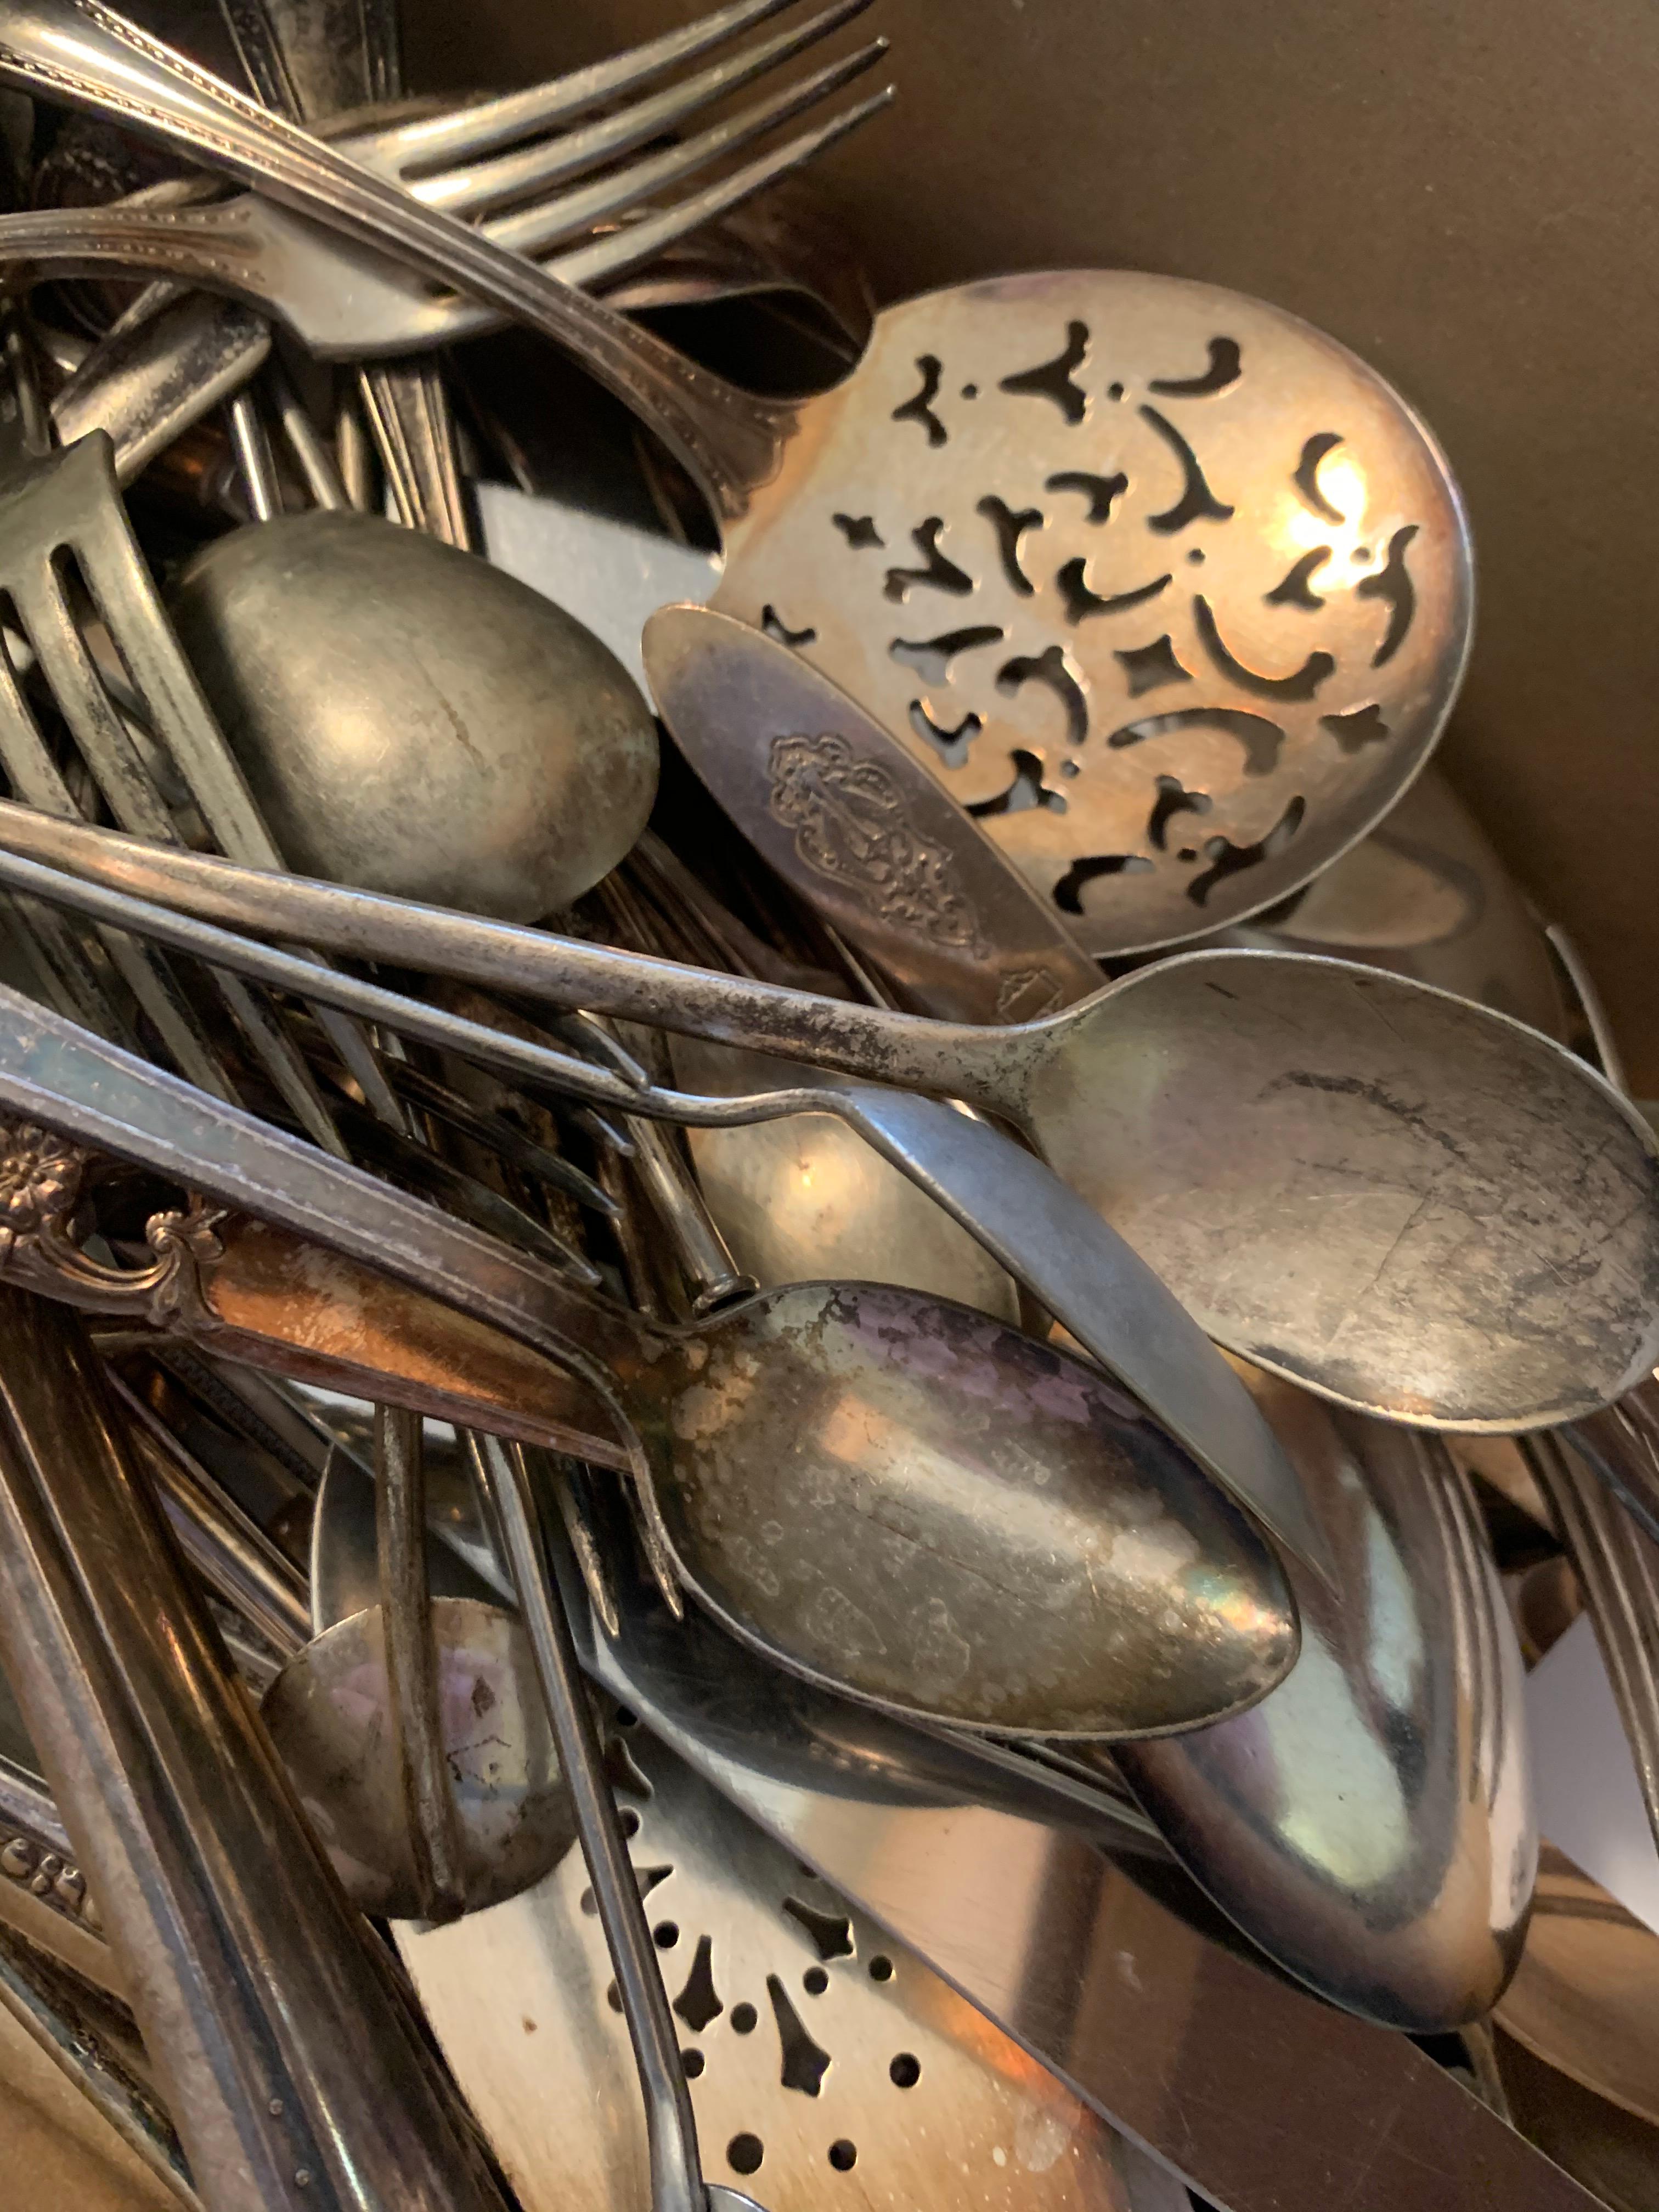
(885, 1493)
(1407, 1203)
(1070, 490)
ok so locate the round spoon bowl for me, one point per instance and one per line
(413, 720)
(912, 1501)
(332, 1716)
(1413, 1205)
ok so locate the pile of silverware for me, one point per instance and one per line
(812, 1291)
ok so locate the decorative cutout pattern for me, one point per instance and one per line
(937, 572)
(1156, 490)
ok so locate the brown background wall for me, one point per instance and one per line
(1464, 190)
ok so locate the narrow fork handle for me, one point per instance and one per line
(85, 55)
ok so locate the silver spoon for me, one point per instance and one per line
(415, 721)
(1407, 1203)
(1371, 1824)
(1075, 1268)
(898, 1498)
(332, 1714)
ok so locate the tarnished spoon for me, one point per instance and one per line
(1412, 1205)
(1370, 1824)
(331, 1713)
(414, 720)
(884, 1492)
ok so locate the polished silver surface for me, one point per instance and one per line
(1406, 1202)
(1371, 1823)
(331, 1713)
(413, 720)
(1169, 585)
(815, 2085)
(1138, 1597)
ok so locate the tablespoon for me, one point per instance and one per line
(1072, 1263)
(1410, 1204)
(893, 1495)
(413, 719)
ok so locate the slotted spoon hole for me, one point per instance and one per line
(905, 2070)
(666, 1935)
(843, 2156)
(744, 2019)
(815, 1981)
(881, 1968)
(745, 2153)
(694, 2061)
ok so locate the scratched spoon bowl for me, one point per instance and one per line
(331, 1718)
(886, 1494)
(1406, 1202)
(916, 1500)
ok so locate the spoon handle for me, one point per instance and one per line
(677, 2184)
(55, 1073)
(84, 54)
(985, 1067)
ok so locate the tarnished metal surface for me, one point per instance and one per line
(1144, 1599)
(1425, 896)
(447, 733)
(805, 1197)
(1406, 1202)
(1370, 1824)
(857, 827)
(912, 1497)
(331, 1715)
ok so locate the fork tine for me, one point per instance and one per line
(462, 134)
(621, 250)
(484, 185)
(533, 229)
(115, 574)
(37, 781)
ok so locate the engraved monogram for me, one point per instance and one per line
(852, 824)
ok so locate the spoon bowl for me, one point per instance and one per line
(975, 1526)
(413, 719)
(331, 1715)
(1371, 1823)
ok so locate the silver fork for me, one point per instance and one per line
(310, 61)
(172, 358)
(254, 249)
